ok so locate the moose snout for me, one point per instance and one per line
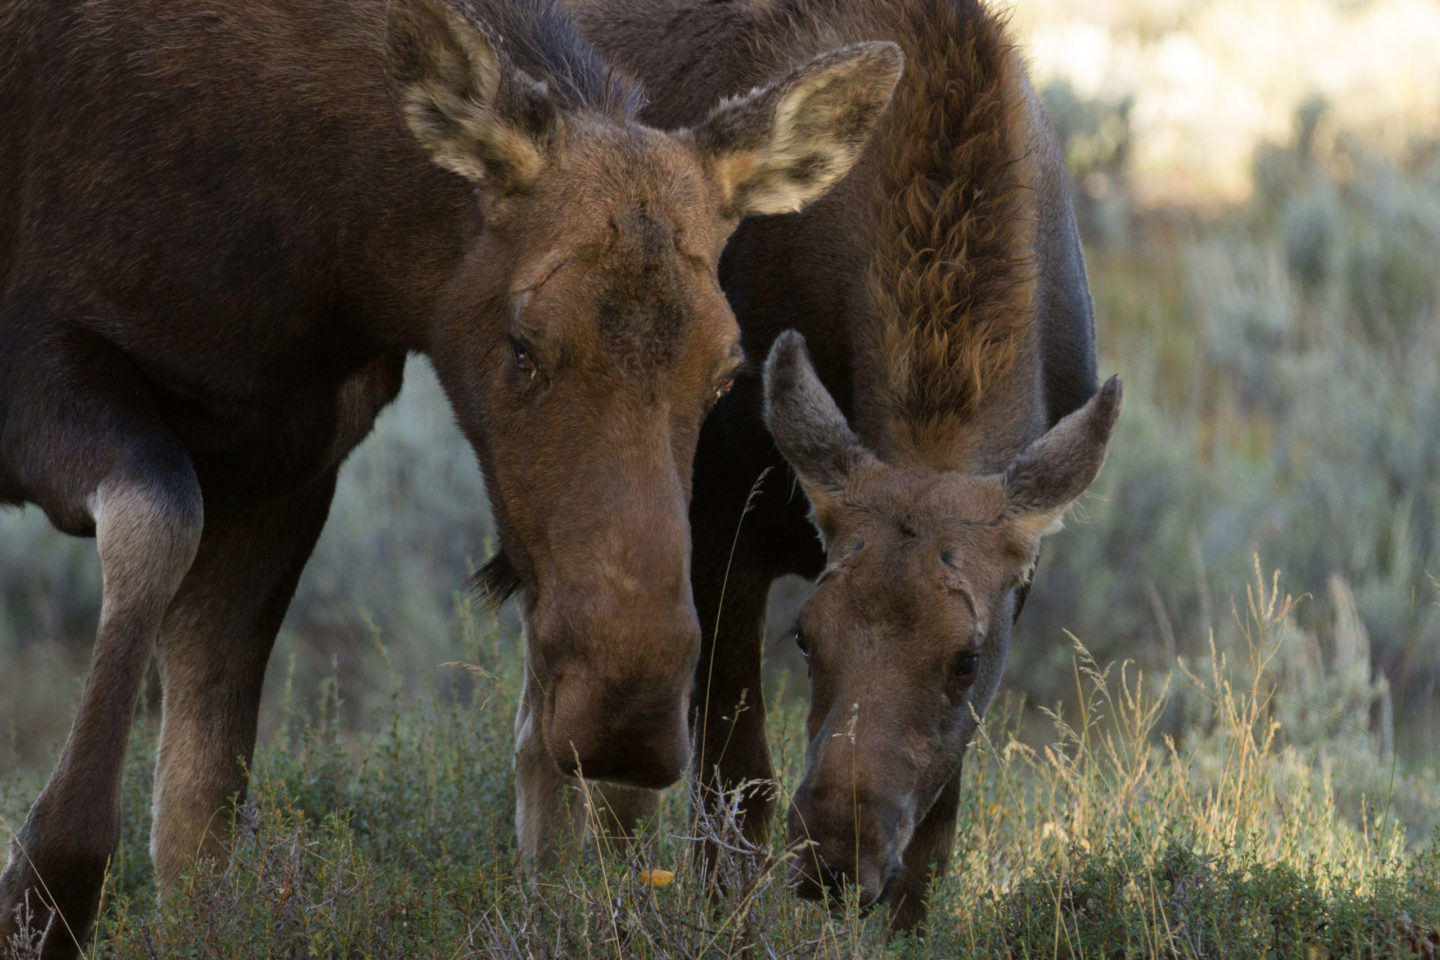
(618, 696)
(845, 839)
(618, 639)
(813, 876)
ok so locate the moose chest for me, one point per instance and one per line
(285, 428)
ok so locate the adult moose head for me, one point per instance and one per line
(906, 634)
(942, 291)
(218, 242)
(605, 342)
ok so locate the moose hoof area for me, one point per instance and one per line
(29, 898)
(25, 914)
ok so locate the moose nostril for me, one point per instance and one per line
(829, 865)
(813, 878)
(872, 885)
(806, 877)
(604, 735)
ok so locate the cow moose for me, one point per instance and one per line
(941, 290)
(223, 227)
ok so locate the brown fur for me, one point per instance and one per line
(906, 635)
(952, 278)
(941, 215)
(948, 215)
(941, 290)
(222, 230)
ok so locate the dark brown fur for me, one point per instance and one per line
(222, 229)
(942, 294)
(952, 282)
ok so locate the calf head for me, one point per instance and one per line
(906, 633)
(585, 337)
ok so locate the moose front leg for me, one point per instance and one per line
(96, 456)
(618, 813)
(214, 647)
(549, 810)
(728, 711)
(749, 525)
(553, 812)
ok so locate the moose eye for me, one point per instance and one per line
(724, 388)
(523, 357)
(965, 667)
(803, 643)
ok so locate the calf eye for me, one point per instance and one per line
(965, 667)
(803, 643)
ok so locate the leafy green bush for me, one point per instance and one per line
(1283, 369)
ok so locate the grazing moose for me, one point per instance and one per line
(218, 243)
(943, 292)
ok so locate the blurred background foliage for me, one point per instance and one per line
(1277, 323)
(1282, 363)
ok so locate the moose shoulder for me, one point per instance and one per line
(223, 227)
(941, 290)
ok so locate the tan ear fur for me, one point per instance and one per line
(473, 112)
(778, 147)
(808, 427)
(1053, 471)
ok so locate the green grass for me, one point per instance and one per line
(1108, 837)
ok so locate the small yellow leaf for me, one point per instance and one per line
(657, 878)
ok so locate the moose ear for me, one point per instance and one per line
(808, 427)
(780, 146)
(472, 111)
(1058, 467)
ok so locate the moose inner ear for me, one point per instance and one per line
(473, 112)
(780, 146)
(1054, 470)
(808, 427)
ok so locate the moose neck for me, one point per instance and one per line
(945, 360)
